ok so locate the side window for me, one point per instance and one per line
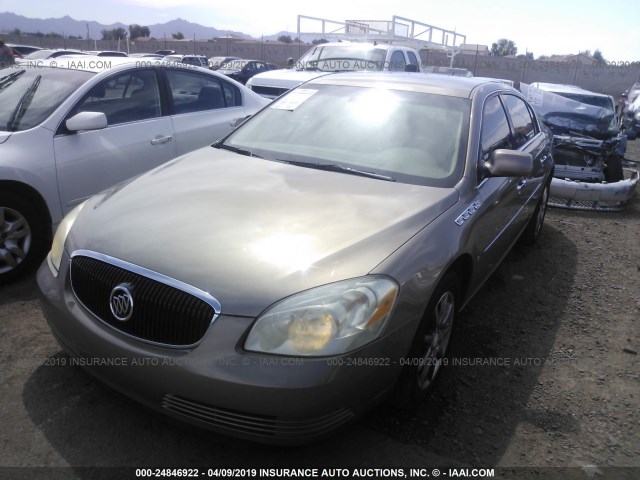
(523, 124)
(195, 92)
(413, 59)
(397, 62)
(232, 95)
(495, 131)
(123, 98)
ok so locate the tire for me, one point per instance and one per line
(24, 236)
(534, 227)
(430, 344)
(613, 171)
(631, 134)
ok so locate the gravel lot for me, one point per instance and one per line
(544, 372)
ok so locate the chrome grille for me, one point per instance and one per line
(256, 425)
(162, 313)
(596, 205)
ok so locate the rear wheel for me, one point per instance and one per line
(430, 345)
(534, 227)
(24, 236)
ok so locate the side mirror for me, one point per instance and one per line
(289, 62)
(411, 67)
(87, 121)
(509, 163)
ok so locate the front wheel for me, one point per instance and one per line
(23, 236)
(613, 172)
(430, 345)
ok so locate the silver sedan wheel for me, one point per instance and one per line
(436, 340)
(15, 239)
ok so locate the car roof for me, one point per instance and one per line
(464, 87)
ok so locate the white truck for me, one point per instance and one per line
(326, 58)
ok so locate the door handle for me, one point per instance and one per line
(161, 140)
(521, 185)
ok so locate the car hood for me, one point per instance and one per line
(285, 78)
(250, 231)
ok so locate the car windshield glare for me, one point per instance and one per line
(342, 58)
(29, 96)
(408, 136)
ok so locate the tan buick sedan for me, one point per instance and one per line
(280, 282)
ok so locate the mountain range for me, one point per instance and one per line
(66, 26)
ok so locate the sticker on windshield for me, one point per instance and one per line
(294, 99)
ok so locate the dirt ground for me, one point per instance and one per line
(544, 373)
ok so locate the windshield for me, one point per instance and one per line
(406, 136)
(39, 54)
(342, 58)
(29, 95)
(595, 100)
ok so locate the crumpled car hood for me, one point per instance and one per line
(565, 116)
(251, 231)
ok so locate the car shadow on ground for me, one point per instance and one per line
(469, 418)
(503, 339)
(23, 290)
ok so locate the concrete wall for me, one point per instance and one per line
(611, 79)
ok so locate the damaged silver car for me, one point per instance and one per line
(588, 148)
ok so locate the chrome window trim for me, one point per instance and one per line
(152, 275)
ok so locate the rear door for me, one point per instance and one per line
(527, 137)
(138, 137)
(499, 199)
(203, 107)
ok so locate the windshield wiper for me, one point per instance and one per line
(23, 105)
(235, 149)
(334, 167)
(9, 79)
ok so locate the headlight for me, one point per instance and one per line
(61, 236)
(328, 320)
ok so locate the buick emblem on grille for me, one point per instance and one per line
(121, 302)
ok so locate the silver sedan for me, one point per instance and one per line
(73, 126)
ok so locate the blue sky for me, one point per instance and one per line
(542, 26)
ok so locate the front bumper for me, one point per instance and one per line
(219, 386)
(577, 195)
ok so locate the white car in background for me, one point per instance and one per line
(73, 126)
